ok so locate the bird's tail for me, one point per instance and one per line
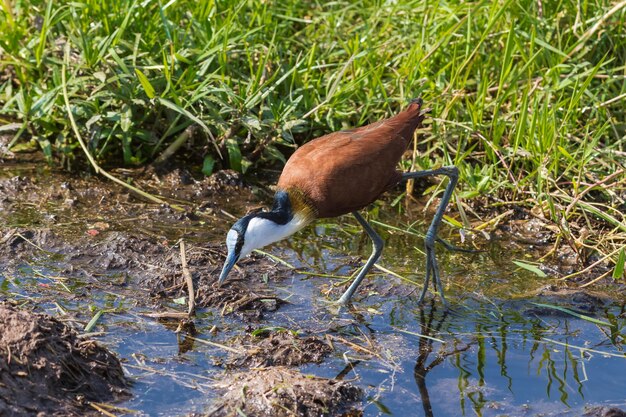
(416, 114)
(417, 104)
(417, 101)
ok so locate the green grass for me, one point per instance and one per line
(528, 97)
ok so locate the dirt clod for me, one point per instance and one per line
(247, 298)
(279, 391)
(236, 298)
(605, 412)
(282, 348)
(45, 369)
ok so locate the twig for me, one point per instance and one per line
(613, 100)
(116, 408)
(190, 291)
(188, 279)
(275, 258)
(594, 28)
(31, 243)
(593, 281)
(186, 379)
(590, 267)
(102, 410)
(8, 236)
(167, 315)
(215, 344)
(589, 188)
(494, 221)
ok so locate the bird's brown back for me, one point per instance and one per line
(347, 170)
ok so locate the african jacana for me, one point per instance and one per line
(337, 174)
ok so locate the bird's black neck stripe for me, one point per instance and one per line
(281, 212)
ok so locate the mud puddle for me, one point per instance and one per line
(271, 342)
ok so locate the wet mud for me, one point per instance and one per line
(67, 238)
(245, 297)
(46, 369)
(282, 348)
(92, 229)
(604, 412)
(104, 239)
(279, 391)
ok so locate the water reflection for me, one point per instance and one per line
(504, 360)
(430, 321)
(487, 357)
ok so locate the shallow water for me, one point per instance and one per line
(493, 353)
(493, 357)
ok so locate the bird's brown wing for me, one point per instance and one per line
(343, 171)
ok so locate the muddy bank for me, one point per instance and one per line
(246, 295)
(99, 239)
(271, 386)
(46, 369)
(118, 232)
(97, 234)
(73, 246)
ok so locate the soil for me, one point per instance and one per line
(604, 412)
(103, 238)
(246, 297)
(586, 301)
(279, 391)
(532, 232)
(46, 369)
(137, 240)
(280, 349)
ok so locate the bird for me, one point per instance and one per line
(340, 173)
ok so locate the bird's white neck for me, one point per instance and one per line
(263, 231)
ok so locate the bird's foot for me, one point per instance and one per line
(454, 248)
(432, 270)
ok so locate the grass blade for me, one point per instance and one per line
(531, 268)
(618, 272)
(93, 321)
(145, 83)
(575, 314)
(420, 335)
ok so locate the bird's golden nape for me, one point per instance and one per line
(337, 174)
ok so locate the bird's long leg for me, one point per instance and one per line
(378, 244)
(432, 267)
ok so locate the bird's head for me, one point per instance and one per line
(240, 241)
(256, 230)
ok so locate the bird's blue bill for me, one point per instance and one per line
(231, 259)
